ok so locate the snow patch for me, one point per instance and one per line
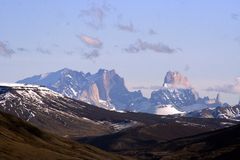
(42, 76)
(167, 110)
(73, 91)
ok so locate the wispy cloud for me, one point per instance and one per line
(155, 87)
(140, 45)
(152, 32)
(126, 27)
(92, 54)
(5, 50)
(228, 88)
(90, 41)
(43, 50)
(235, 16)
(93, 16)
(21, 49)
(140, 88)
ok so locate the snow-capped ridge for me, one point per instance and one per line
(105, 88)
(28, 87)
(19, 85)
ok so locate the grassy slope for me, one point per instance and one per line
(20, 140)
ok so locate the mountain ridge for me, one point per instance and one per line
(219, 144)
(21, 140)
(107, 89)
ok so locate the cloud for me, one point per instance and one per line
(127, 27)
(90, 41)
(152, 32)
(21, 49)
(235, 16)
(229, 88)
(94, 16)
(5, 50)
(140, 45)
(43, 51)
(140, 88)
(155, 87)
(92, 54)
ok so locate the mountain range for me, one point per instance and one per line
(106, 89)
(225, 112)
(68, 117)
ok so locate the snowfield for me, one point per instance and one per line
(167, 110)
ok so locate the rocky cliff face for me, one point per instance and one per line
(176, 80)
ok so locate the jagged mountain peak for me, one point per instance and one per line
(104, 73)
(218, 98)
(176, 79)
(107, 75)
(176, 91)
(105, 88)
(66, 71)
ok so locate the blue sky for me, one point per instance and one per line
(141, 40)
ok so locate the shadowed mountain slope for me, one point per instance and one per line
(218, 145)
(20, 140)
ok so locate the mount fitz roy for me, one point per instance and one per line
(107, 89)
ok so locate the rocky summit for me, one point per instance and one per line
(105, 88)
(176, 79)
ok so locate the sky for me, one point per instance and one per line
(141, 40)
